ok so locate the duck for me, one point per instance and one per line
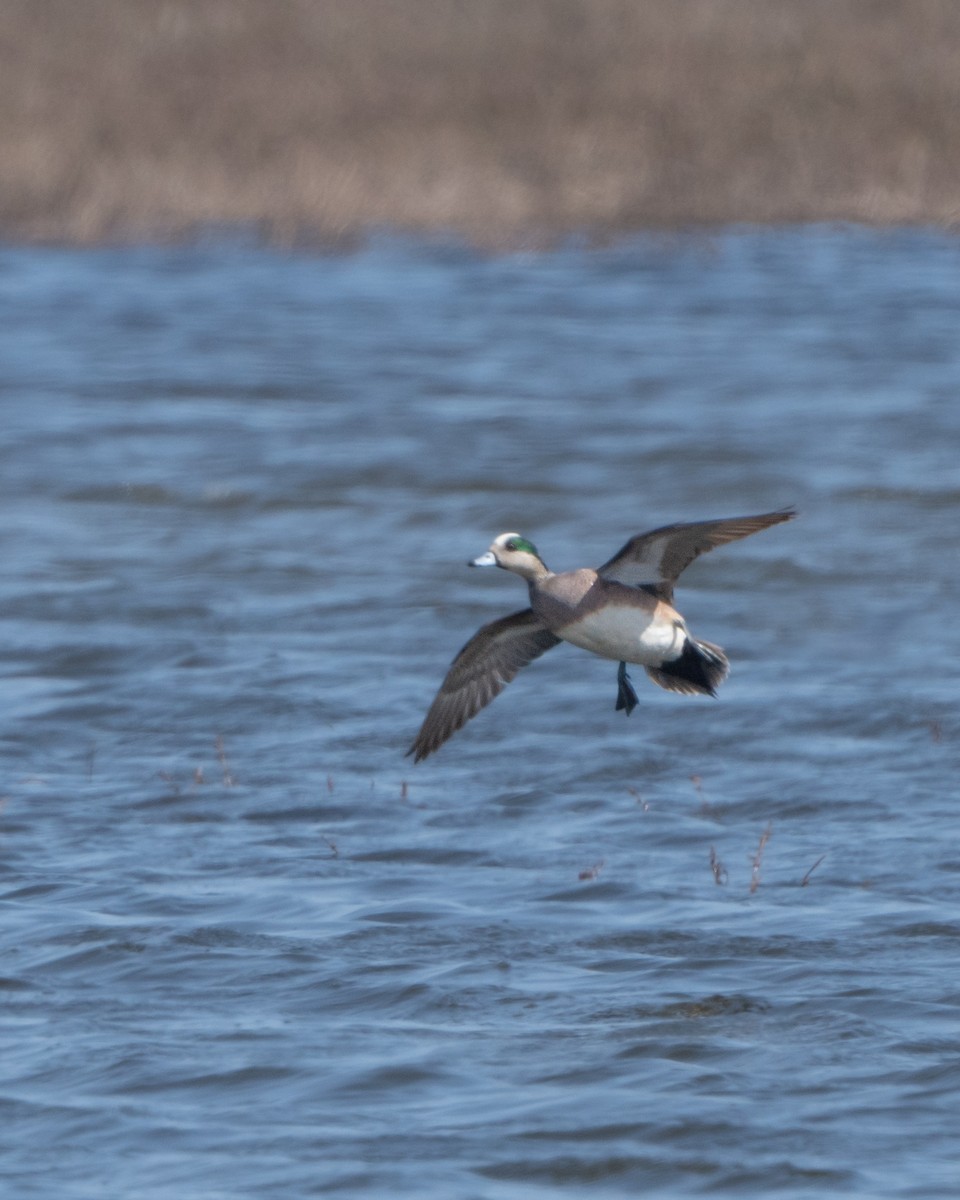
(622, 611)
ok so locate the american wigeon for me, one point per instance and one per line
(621, 611)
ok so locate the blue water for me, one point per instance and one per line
(248, 949)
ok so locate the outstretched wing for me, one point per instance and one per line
(481, 671)
(657, 558)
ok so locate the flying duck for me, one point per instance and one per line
(622, 611)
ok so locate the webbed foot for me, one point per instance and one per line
(626, 696)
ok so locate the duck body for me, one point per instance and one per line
(608, 618)
(621, 611)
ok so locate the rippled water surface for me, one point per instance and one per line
(249, 950)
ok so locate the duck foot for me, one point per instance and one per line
(626, 696)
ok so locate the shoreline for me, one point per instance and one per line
(310, 243)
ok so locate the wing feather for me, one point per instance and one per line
(656, 559)
(479, 673)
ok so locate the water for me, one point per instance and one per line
(249, 950)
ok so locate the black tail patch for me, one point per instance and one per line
(699, 670)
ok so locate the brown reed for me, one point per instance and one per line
(503, 122)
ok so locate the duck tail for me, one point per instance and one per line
(699, 670)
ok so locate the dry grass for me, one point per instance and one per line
(503, 120)
(758, 858)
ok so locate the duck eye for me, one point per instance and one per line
(520, 543)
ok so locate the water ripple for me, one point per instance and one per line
(250, 950)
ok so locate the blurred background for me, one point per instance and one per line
(301, 303)
(501, 121)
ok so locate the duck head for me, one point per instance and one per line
(514, 553)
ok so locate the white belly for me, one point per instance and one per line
(627, 634)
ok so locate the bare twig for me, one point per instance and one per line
(228, 780)
(644, 805)
(806, 879)
(758, 858)
(717, 867)
(592, 872)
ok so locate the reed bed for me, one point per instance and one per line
(504, 121)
